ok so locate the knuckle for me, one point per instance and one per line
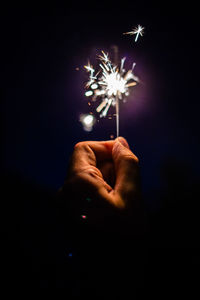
(88, 171)
(93, 172)
(121, 205)
(79, 145)
(137, 159)
(131, 158)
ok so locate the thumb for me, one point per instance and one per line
(126, 169)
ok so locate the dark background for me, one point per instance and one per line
(43, 97)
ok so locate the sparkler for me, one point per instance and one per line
(111, 84)
(139, 30)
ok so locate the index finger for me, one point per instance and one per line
(89, 152)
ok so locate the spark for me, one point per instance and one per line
(104, 57)
(88, 93)
(110, 84)
(87, 121)
(139, 30)
(89, 68)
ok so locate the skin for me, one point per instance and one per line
(107, 171)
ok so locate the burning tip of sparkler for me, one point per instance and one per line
(110, 84)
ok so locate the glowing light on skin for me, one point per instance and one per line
(139, 30)
(87, 121)
(112, 84)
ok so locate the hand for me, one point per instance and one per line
(108, 173)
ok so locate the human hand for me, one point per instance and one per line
(108, 173)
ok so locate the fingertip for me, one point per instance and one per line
(119, 149)
(122, 150)
(123, 141)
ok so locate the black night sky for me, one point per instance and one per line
(43, 96)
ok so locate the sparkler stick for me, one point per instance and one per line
(117, 116)
(111, 84)
(116, 58)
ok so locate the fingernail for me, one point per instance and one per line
(123, 142)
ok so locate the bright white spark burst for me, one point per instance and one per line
(139, 30)
(110, 83)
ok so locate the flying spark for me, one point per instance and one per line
(139, 30)
(87, 121)
(110, 84)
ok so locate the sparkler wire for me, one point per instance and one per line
(117, 115)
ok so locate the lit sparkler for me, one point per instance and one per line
(111, 84)
(139, 30)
